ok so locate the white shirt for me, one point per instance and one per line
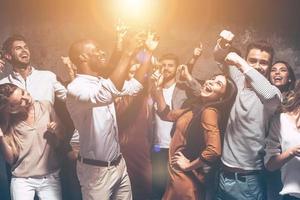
(90, 102)
(42, 85)
(163, 128)
(283, 135)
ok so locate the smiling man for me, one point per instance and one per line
(42, 85)
(241, 176)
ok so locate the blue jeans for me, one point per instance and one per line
(249, 187)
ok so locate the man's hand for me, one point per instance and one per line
(157, 78)
(198, 50)
(183, 73)
(2, 63)
(121, 29)
(151, 41)
(234, 59)
(70, 66)
(225, 39)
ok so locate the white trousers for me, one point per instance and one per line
(46, 187)
(105, 183)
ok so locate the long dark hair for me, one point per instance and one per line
(293, 103)
(223, 105)
(194, 140)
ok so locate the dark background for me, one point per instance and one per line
(52, 25)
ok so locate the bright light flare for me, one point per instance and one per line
(133, 9)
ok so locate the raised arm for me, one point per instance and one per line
(196, 54)
(261, 86)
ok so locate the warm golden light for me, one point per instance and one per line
(134, 10)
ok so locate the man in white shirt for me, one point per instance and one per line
(100, 168)
(42, 85)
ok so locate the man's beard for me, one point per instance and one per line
(19, 64)
(168, 78)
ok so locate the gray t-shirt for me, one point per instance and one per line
(248, 121)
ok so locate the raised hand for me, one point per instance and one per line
(234, 59)
(198, 50)
(183, 73)
(157, 78)
(1, 133)
(151, 41)
(225, 39)
(70, 66)
(121, 29)
(2, 63)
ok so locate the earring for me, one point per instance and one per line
(290, 80)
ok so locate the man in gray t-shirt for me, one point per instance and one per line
(255, 103)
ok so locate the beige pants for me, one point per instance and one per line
(104, 182)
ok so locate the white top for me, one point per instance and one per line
(282, 136)
(42, 85)
(90, 102)
(163, 128)
(248, 121)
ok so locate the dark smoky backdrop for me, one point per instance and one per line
(50, 26)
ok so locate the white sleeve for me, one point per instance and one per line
(104, 93)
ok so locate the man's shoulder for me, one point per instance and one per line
(4, 80)
(44, 73)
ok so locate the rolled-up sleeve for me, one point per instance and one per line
(209, 122)
(273, 140)
(101, 93)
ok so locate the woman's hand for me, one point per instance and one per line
(180, 161)
(295, 151)
(51, 127)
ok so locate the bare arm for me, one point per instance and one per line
(6, 149)
(277, 161)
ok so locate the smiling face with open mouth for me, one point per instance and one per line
(20, 54)
(214, 88)
(279, 74)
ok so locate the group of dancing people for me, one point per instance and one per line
(142, 127)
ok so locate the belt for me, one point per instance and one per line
(239, 176)
(100, 163)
